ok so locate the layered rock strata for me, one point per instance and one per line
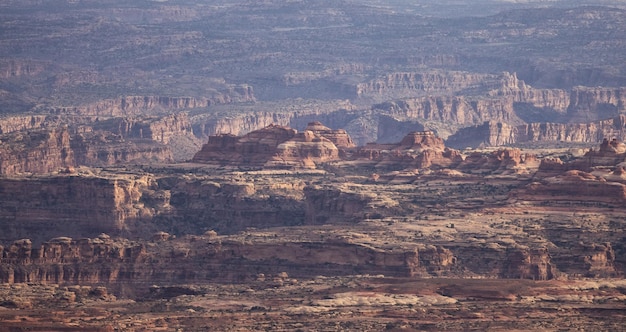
(72, 205)
(275, 147)
(146, 105)
(49, 150)
(493, 133)
(416, 150)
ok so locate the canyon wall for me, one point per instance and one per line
(42, 144)
(50, 150)
(44, 207)
(493, 133)
(136, 105)
(40, 151)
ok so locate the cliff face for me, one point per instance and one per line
(592, 104)
(574, 187)
(500, 110)
(454, 110)
(17, 123)
(137, 105)
(136, 205)
(103, 260)
(34, 144)
(498, 133)
(45, 207)
(50, 150)
(333, 205)
(42, 151)
(433, 83)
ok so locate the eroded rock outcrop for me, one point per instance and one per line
(104, 260)
(275, 147)
(503, 161)
(416, 150)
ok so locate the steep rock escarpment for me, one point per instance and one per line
(158, 129)
(103, 260)
(190, 259)
(452, 110)
(42, 144)
(48, 150)
(44, 207)
(596, 103)
(434, 83)
(136, 205)
(574, 188)
(39, 151)
(11, 124)
(330, 205)
(146, 105)
(498, 133)
(193, 206)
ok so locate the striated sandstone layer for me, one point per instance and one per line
(499, 133)
(146, 105)
(70, 205)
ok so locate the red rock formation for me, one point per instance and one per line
(103, 260)
(595, 103)
(339, 137)
(503, 161)
(332, 205)
(535, 264)
(27, 122)
(452, 110)
(274, 147)
(416, 150)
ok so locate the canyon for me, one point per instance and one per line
(312, 165)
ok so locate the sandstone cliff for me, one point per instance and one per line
(70, 205)
(574, 188)
(103, 260)
(11, 124)
(39, 151)
(499, 133)
(48, 150)
(596, 103)
(147, 105)
(46, 143)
